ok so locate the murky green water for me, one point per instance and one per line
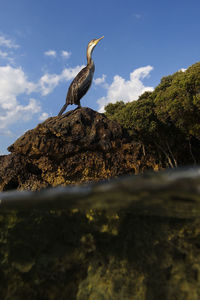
(130, 238)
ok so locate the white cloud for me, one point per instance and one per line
(3, 54)
(9, 45)
(48, 82)
(43, 116)
(100, 80)
(7, 42)
(13, 83)
(65, 54)
(16, 103)
(126, 90)
(70, 73)
(182, 70)
(137, 16)
(21, 113)
(50, 53)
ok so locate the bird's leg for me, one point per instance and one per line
(63, 109)
(79, 106)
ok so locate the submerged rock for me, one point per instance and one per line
(79, 146)
(141, 243)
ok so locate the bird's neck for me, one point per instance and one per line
(89, 56)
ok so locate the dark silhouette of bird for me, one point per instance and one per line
(82, 82)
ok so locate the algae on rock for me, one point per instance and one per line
(70, 255)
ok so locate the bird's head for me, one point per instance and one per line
(93, 43)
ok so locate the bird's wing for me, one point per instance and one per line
(84, 85)
(79, 86)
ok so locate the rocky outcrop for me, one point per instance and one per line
(80, 146)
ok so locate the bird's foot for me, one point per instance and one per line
(79, 106)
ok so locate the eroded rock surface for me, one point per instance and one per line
(80, 146)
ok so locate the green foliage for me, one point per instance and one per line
(168, 115)
(137, 116)
(112, 109)
(179, 100)
(175, 100)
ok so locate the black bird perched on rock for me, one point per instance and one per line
(82, 82)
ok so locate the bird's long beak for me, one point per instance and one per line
(99, 39)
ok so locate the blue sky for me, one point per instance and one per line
(43, 45)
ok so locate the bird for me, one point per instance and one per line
(83, 80)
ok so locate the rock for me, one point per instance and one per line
(74, 132)
(69, 255)
(79, 146)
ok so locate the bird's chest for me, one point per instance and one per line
(89, 76)
(91, 72)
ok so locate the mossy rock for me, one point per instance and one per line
(72, 255)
